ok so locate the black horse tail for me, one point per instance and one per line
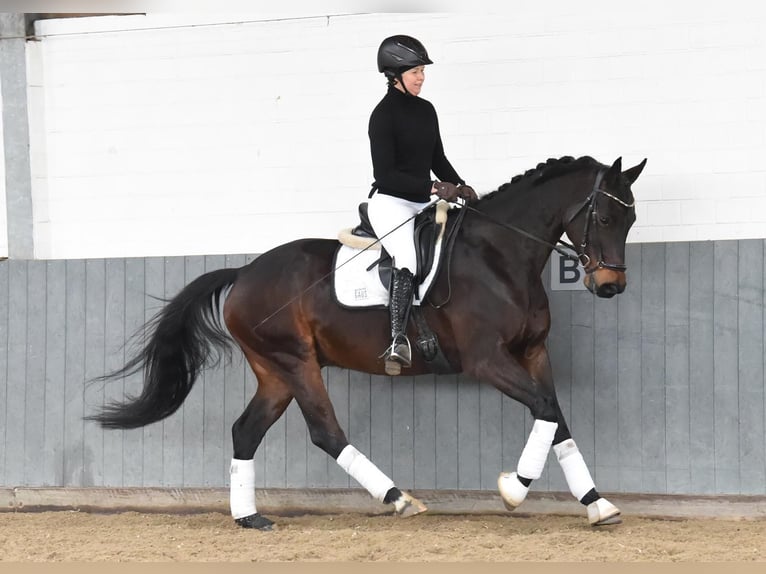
(179, 344)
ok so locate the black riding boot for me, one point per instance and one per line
(399, 353)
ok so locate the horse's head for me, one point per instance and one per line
(599, 227)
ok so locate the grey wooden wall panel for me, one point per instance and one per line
(4, 362)
(34, 400)
(154, 289)
(763, 358)
(359, 400)
(606, 410)
(726, 368)
(490, 436)
(581, 421)
(701, 367)
(677, 435)
(402, 431)
(629, 361)
(468, 436)
(663, 386)
(193, 443)
(133, 440)
(74, 341)
(381, 423)
(93, 395)
(52, 467)
(653, 367)
(750, 360)
(424, 431)
(447, 431)
(114, 358)
(15, 409)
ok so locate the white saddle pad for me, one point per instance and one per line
(357, 287)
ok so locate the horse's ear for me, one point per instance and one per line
(615, 170)
(632, 174)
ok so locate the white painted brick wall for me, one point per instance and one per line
(235, 138)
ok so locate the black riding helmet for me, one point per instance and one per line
(399, 53)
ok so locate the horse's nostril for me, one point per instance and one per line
(608, 290)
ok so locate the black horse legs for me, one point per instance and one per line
(268, 404)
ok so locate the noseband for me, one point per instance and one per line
(591, 205)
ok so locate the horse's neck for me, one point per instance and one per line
(539, 211)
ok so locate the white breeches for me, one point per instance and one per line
(387, 212)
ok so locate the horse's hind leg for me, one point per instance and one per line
(326, 433)
(270, 401)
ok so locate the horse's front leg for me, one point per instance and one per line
(529, 381)
(600, 511)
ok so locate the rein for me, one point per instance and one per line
(591, 203)
(528, 235)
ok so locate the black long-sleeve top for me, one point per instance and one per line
(406, 147)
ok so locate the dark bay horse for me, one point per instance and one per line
(493, 328)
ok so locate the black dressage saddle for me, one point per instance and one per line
(426, 233)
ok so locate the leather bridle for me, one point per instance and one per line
(591, 206)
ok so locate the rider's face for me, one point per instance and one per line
(413, 79)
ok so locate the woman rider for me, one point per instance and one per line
(406, 147)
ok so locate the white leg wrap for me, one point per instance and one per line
(535, 453)
(242, 489)
(574, 467)
(364, 472)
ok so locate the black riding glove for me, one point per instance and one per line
(446, 191)
(467, 193)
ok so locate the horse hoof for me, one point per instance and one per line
(608, 521)
(407, 506)
(603, 513)
(511, 490)
(256, 521)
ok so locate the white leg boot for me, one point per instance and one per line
(531, 464)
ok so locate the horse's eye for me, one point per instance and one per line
(603, 220)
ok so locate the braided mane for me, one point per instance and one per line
(544, 171)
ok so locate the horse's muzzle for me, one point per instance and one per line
(605, 283)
